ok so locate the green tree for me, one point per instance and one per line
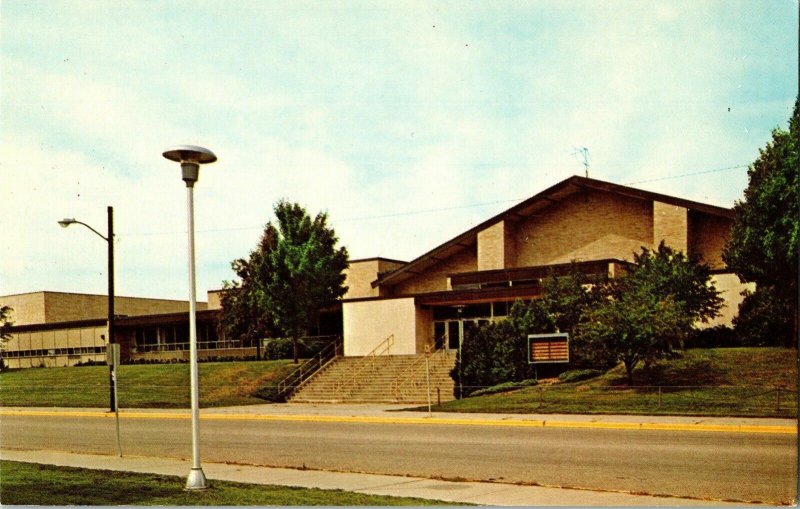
(5, 330)
(763, 245)
(648, 312)
(295, 271)
(497, 352)
(241, 316)
(763, 319)
(666, 272)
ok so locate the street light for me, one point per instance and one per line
(110, 240)
(190, 158)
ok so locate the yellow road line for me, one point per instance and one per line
(719, 428)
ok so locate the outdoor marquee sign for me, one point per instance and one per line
(548, 348)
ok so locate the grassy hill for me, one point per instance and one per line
(718, 381)
(141, 385)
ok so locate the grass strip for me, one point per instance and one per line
(719, 382)
(141, 385)
(34, 484)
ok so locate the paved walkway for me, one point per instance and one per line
(483, 493)
(378, 413)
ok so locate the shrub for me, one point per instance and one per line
(713, 337)
(505, 387)
(576, 375)
(268, 393)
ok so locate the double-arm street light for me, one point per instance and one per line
(110, 240)
(191, 157)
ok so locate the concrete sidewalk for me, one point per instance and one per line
(400, 414)
(483, 493)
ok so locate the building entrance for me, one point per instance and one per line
(449, 334)
(452, 323)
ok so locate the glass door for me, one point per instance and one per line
(453, 335)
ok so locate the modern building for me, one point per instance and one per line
(400, 308)
(64, 329)
(476, 276)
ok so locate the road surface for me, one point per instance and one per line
(751, 467)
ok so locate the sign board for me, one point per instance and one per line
(548, 348)
(112, 354)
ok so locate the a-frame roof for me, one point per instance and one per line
(522, 210)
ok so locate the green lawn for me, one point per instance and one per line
(141, 385)
(32, 484)
(752, 382)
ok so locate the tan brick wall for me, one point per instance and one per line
(424, 323)
(361, 273)
(707, 236)
(51, 307)
(592, 225)
(359, 278)
(214, 298)
(27, 308)
(496, 247)
(671, 224)
(435, 278)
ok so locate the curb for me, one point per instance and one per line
(643, 426)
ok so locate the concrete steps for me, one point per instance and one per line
(380, 379)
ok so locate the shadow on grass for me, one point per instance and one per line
(677, 373)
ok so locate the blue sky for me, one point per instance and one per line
(408, 122)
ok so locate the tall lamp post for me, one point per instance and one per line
(190, 158)
(110, 240)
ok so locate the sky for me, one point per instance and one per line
(407, 122)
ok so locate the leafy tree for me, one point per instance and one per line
(241, 315)
(496, 352)
(763, 319)
(566, 298)
(665, 271)
(763, 245)
(633, 325)
(645, 314)
(295, 271)
(5, 330)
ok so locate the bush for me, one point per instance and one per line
(90, 363)
(576, 375)
(496, 352)
(268, 393)
(713, 337)
(764, 320)
(282, 348)
(505, 387)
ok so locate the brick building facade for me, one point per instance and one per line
(474, 277)
(429, 301)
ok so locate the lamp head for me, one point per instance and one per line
(190, 154)
(190, 157)
(66, 222)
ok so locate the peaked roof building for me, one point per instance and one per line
(474, 276)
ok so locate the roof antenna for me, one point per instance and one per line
(585, 153)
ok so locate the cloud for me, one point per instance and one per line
(397, 120)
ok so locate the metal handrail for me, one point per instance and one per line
(308, 369)
(438, 355)
(354, 377)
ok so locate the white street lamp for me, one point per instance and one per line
(190, 158)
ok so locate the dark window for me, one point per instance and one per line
(438, 335)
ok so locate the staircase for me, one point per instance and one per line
(380, 379)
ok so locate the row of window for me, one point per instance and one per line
(167, 334)
(482, 310)
(53, 352)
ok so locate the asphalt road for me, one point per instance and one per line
(717, 466)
